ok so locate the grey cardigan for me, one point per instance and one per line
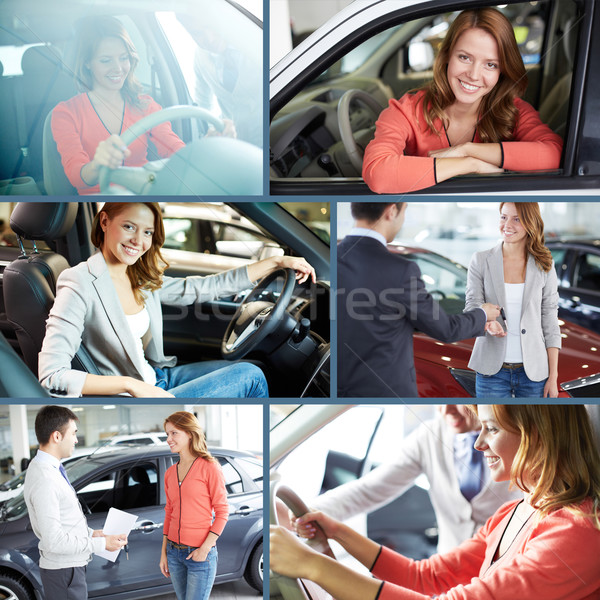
(87, 309)
(539, 314)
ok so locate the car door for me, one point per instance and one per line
(244, 525)
(135, 488)
(580, 167)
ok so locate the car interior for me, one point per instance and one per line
(319, 129)
(44, 35)
(291, 344)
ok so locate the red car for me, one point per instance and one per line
(442, 368)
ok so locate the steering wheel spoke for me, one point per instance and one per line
(257, 319)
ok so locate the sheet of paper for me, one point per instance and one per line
(117, 521)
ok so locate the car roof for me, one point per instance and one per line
(592, 242)
(123, 453)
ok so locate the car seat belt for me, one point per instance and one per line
(21, 126)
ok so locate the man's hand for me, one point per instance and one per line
(115, 542)
(491, 310)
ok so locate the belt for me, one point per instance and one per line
(181, 546)
(512, 365)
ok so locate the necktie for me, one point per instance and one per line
(63, 472)
(469, 470)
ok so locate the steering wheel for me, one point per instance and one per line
(293, 589)
(134, 177)
(255, 319)
(355, 154)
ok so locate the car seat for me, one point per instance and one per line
(29, 282)
(16, 380)
(55, 179)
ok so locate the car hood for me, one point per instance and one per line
(579, 355)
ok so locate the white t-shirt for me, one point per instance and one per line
(512, 309)
(139, 325)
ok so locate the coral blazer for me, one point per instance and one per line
(396, 160)
(77, 130)
(554, 559)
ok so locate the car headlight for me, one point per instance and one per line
(466, 379)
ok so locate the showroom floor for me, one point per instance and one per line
(236, 590)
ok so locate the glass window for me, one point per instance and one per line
(233, 480)
(253, 468)
(587, 273)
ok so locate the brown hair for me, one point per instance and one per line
(146, 272)
(50, 419)
(557, 455)
(497, 112)
(531, 219)
(186, 421)
(91, 31)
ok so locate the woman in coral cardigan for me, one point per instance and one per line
(543, 546)
(195, 491)
(87, 127)
(469, 119)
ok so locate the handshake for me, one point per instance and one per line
(492, 326)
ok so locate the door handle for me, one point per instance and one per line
(575, 301)
(147, 526)
(243, 510)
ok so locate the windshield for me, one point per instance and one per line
(314, 215)
(15, 508)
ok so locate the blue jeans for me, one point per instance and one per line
(191, 580)
(213, 379)
(508, 383)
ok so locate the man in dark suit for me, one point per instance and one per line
(381, 301)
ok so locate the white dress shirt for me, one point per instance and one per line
(56, 516)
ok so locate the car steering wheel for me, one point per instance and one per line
(293, 589)
(355, 154)
(134, 177)
(255, 319)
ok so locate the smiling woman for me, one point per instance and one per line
(469, 119)
(111, 304)
(548, 541)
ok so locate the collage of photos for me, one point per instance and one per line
(362, 209)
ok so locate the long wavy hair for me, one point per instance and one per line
(497, 112)
(531, 219)
(186, 421)
(557, 461)
(90, 32)
(146, 273)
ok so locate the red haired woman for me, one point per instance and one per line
(469, 119)
(518, 356)
(87, 127)
(545, 545)
(195, 490)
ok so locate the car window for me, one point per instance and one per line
(441, 276)
(558, 254)
(587, 272)
(135, 441)
(132, 487)
(254, 469)
(233, 480)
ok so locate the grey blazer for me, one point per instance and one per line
(539, 314)
(87, 309)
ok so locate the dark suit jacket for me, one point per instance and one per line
(381, 301)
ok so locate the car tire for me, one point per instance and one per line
(254, 569)
(12, 588)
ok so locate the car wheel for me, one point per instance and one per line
(11, 588)
(254, 569)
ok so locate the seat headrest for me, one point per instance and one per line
(40, 59)
(43, 220)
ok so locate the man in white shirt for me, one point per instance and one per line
(440, 448)
(66, 543)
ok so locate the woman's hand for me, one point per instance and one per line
(111, 152)
(164, 565)
(494, 328)
(458, 151)
(199, 554)
(551, 388)
(141, 389)
(228, 130)
(300, 265)
(288, 555)
(265, 267)
(304, 525)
